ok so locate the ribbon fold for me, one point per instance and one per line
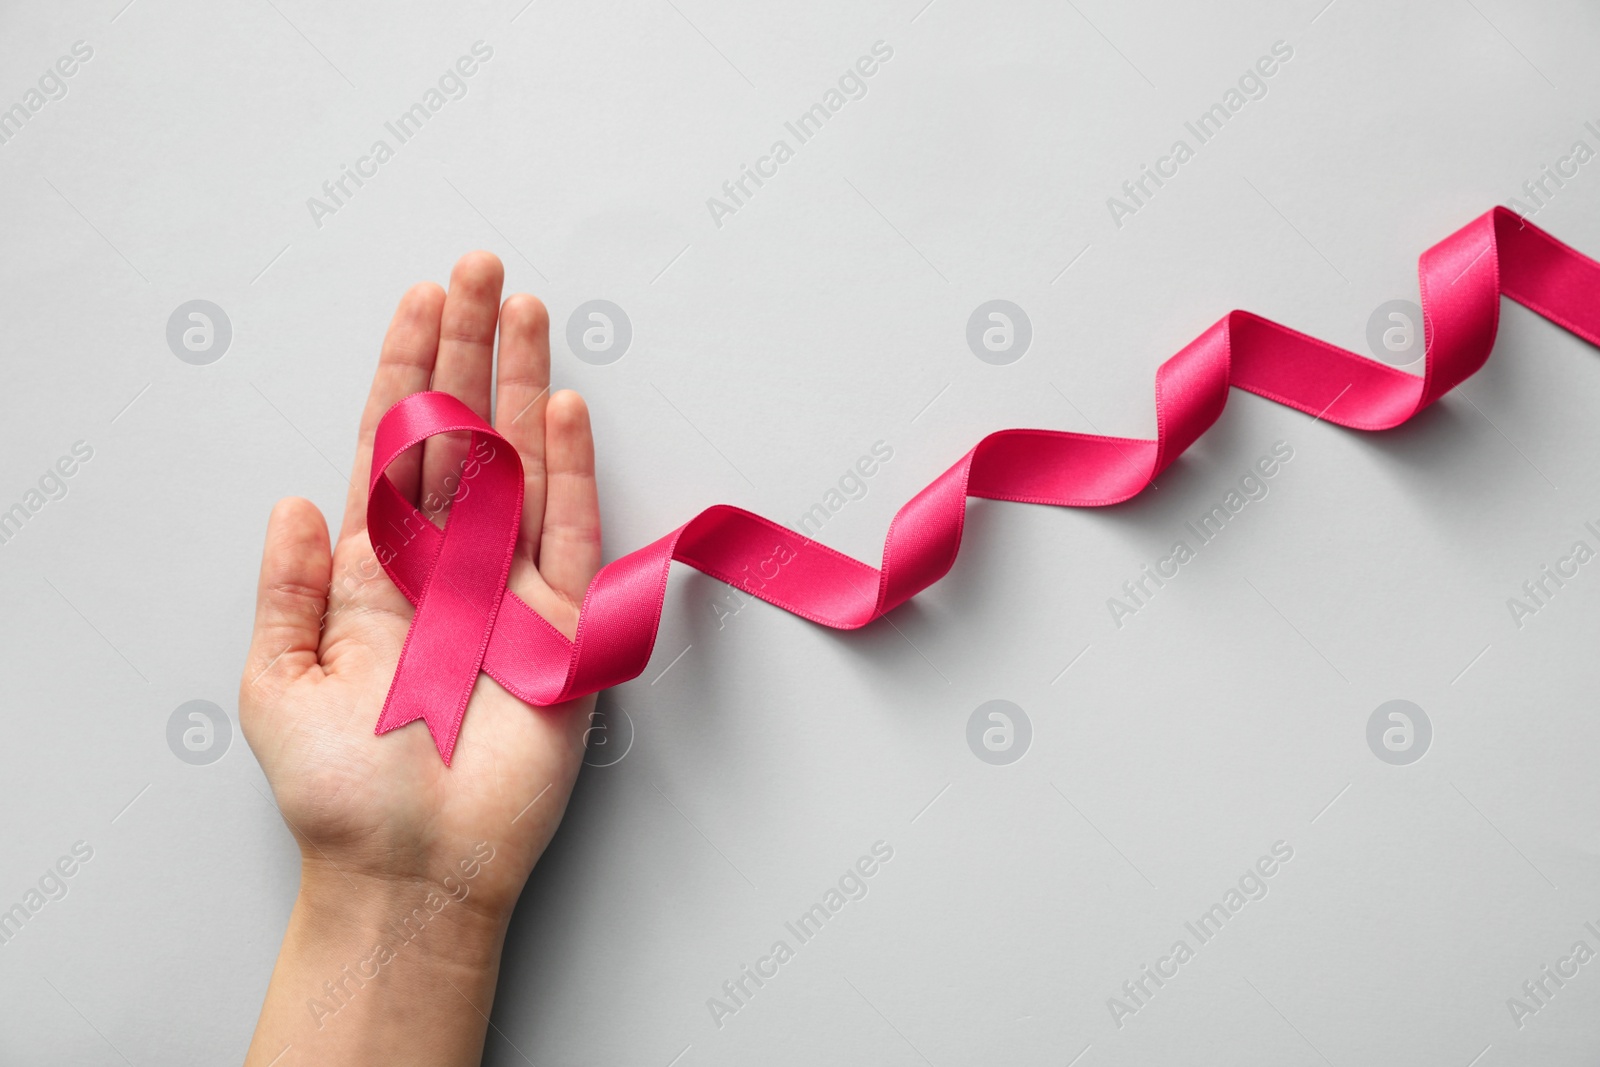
(466, 620)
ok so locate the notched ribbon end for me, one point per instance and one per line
(443, 731)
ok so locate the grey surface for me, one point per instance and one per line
(767, 354)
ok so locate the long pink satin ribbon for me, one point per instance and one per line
(466, 620)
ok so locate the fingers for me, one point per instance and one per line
(292, 595)
(465, 367)
(521, 395)
(569, 551)
(405, 366)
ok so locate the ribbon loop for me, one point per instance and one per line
(462, 571)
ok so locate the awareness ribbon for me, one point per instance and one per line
(466, 620)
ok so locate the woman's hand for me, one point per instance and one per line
(410, 868)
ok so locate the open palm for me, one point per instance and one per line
(330, 624)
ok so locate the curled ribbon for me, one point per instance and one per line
(466, 620)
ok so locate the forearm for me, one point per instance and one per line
(374, 971)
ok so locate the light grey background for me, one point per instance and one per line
(768, 354)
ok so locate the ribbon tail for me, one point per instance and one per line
(442, 725)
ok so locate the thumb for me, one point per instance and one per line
(292, 596)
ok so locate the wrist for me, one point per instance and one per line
(375, 969)
(442, 916)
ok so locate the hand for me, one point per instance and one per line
(381, 822)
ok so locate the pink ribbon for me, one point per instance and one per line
(467, 621)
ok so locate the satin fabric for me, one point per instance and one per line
(466, 620)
